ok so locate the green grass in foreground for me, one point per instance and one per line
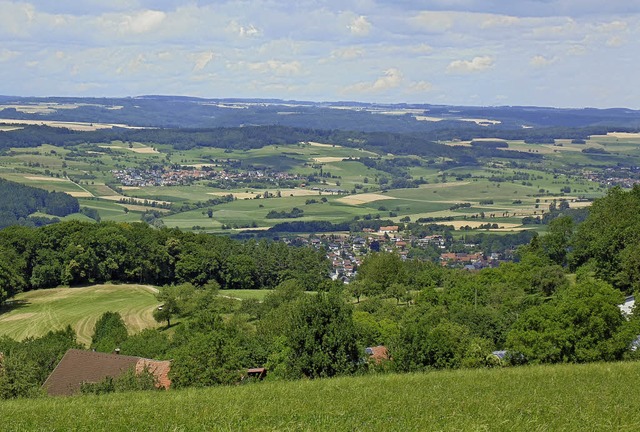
(595, 397)
(39, 311)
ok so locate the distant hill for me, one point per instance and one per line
(190, 112)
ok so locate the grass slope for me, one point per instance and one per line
(595, 397)
(39, 311)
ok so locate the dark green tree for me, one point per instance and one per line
(321, 337)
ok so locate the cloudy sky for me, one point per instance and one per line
(565, 53)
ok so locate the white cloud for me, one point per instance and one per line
(141, 22)
(494, 21)
(613, 26)
(433, 22)
(615, 42)
(274, 66)
(359, 26)
(202, 60)
(420, 87)
(477, 64)
(347, 53)
(244, 31)
(390, 79)
(6, 54)
(541, 61)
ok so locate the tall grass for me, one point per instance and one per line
(595, 397)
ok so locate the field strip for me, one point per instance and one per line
(442, 185)
(328, 159)
(80, 194)
(317, 144)
(140, 201)
(77, 126)
(50, 179)
(283, 192)
(624, 135)
(363, 198)
(141, 150)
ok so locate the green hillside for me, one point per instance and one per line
(594, 397)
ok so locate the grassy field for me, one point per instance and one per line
(36, 312)
(595, 397)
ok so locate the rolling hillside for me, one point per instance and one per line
(544, 398)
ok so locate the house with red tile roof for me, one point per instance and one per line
(80, 366)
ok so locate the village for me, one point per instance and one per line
(346, 252)
(136, 177)
(622, 176)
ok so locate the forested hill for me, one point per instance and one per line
(185, 112)
(18, 201)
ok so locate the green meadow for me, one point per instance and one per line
(592, 397)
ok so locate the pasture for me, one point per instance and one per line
(595, 397)
(34, 313)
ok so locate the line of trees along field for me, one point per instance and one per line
(429, 317)
(77, 253)
(252, 137)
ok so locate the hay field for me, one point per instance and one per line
(317, 144)
(78, 126)
(251, 195)
(37, 312)
(328, 159)
(624, 135)
(364, 198)
(80, 194)
(46, 179)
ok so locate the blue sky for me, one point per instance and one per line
(564, 53)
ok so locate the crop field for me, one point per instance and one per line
(34, 313)
(594, 397)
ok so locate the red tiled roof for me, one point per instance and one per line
(378, 353)
(81, 366)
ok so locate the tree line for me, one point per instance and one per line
(18, 202)
(75, 253)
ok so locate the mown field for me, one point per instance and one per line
(34, 313)
(593, 397)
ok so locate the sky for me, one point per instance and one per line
(560, 53)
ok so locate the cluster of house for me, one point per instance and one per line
(469, 261)
(622, 176)
(346, 252)
(161, 177)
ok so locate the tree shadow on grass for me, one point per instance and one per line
(11, 305)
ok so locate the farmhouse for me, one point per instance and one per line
(377, 354)
(388, 229)
(81, 366)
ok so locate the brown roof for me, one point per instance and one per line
(80, 366)
(378, 353)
